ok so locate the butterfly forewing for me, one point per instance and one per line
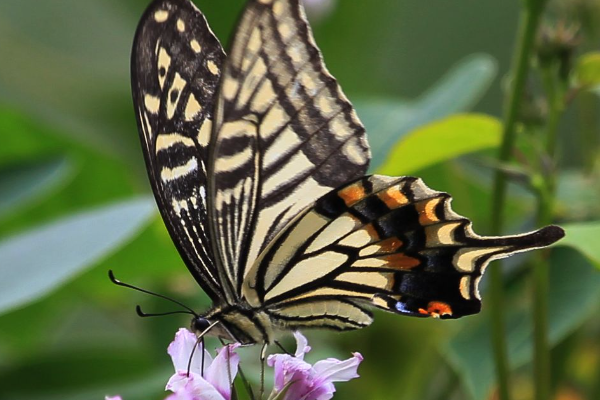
(284, 133)
(391, 243)
(176, 62)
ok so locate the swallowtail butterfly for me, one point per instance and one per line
(257, 161)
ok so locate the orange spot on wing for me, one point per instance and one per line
(402, 261)
(390, 245)
(436, 309)
(393, 198)
(352, 194)
(426, 211)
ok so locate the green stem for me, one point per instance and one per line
(528, 25)
(588, 125)
(545, 212)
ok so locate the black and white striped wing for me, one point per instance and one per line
(384, 242)
(284, 133)
(176, 62)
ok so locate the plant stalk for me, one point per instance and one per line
(528, 26)
(555, 94)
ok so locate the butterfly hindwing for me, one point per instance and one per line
(386, 242)
(284, 134)
(176, 62)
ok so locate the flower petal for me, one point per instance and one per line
(334, 370)
(182, 347)
(112, 398)
(178, 381)
(302, 346)
(196, 388)
(223, 369)
(323, 391)
(181, 395)
(285, 367)
(201, 389)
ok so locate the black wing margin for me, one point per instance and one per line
(175, 68)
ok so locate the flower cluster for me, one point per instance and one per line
(297, 379)
(212, 378)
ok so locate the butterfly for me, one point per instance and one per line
(257, 161)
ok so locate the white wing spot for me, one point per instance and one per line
(152, 103)
(204, 133)
(175, 94)
(161, 16)
(476, 284)
(465, 286)
(164, 63)
(180, 25)
(203, 195)
(170, 174)
(278, 9)
(285, 31)
(195, 46)
(212, 67)
(192, 108)
(166, 141)
(465, 258)
(354, 153)
(179, 205)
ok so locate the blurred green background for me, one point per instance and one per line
(75, 200)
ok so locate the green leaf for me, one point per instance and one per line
(574, 296)
(460, 89)
(36, 262)
(100, 178)
(84, 78)
(87, 373)
(24, 183)
(584, 238)
(577, 196)
(442, 141)
(587, 71)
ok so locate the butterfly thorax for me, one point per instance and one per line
(240, 323)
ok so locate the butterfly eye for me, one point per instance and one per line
(199, 324)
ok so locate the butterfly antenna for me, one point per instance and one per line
(199, 340)
(117, 282)
(140, 313)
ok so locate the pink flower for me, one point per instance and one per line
(295, 379)
(310, 382)
(214, 383)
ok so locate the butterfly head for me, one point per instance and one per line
(203, 326)
(200, 324)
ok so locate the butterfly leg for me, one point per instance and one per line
(282, 348)
(263, 356)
